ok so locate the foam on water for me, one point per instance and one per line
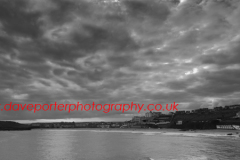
(188, 134)
(192, 158)
(149, 134)
(146, 158)
(166, 133)
(199, 134)
(197, 158)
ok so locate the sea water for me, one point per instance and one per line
(117, 144)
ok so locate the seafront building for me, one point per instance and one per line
(202, 118)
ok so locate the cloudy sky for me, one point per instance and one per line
(118, 51)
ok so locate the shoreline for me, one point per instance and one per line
(167, 131)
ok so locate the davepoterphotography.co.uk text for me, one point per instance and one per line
(90, 107)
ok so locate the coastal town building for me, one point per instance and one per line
(148, 114)
(138, 119)
(35, 125)
(234, 106)
(218, 108)
(153, 114)
(157, 114)
(67, 125)
(180, 112)
(81, 124)
(238, 114)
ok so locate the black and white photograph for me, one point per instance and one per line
(119, 79)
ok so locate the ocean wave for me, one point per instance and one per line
(152, 133)
(187, 134)
(146, 158)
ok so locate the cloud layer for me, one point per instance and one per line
(118, 51)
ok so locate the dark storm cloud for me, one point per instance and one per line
(217, 83)
(7, 43)
(156, 11)
(16, 20)
(226, 56)
(111, 51)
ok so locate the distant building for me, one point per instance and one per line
(226, 107)
(218, 108)
(238, 114)
(180, 122)
(188, 112)
(47, 125)
(81, 124)
(36, 125)
(163, 118)
(138, 119)
(115, 125)
(127, 124)
(211, 110)
(153, 114)
(149, 114)
(202, 110)
(180, 112)
(156, 114)
(56, 125)
(67, 124)
(205, 109)
(234, 107)
(103, 126)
